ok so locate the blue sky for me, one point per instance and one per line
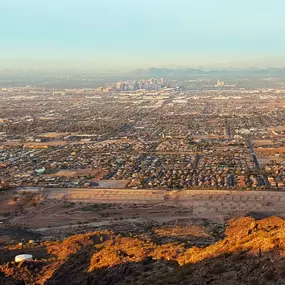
(148, 32)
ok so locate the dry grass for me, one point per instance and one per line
(182, 231)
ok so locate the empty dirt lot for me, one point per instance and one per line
(200, 201)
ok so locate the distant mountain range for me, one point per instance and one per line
(9, 77)
(169, 72)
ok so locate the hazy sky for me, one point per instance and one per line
(131, 33)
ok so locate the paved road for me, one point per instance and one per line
(196, 163)
(255, 160)
(264, 180)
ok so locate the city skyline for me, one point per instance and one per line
(126, 34)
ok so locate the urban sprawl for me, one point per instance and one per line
(143, 134)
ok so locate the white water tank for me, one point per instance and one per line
(23, 257)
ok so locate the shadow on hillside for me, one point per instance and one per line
(234, 269)
(261, 215)
(251, 253)
(4, 280)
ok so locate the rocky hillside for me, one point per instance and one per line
(252, 252)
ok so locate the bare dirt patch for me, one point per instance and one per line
(268, 151)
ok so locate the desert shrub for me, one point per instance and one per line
(147, 268)
(282, 274)
(269, 275)
(147, 260)
(226, 254)
(237, 257)
(253, 282)
(217, 269)
(255, 265)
